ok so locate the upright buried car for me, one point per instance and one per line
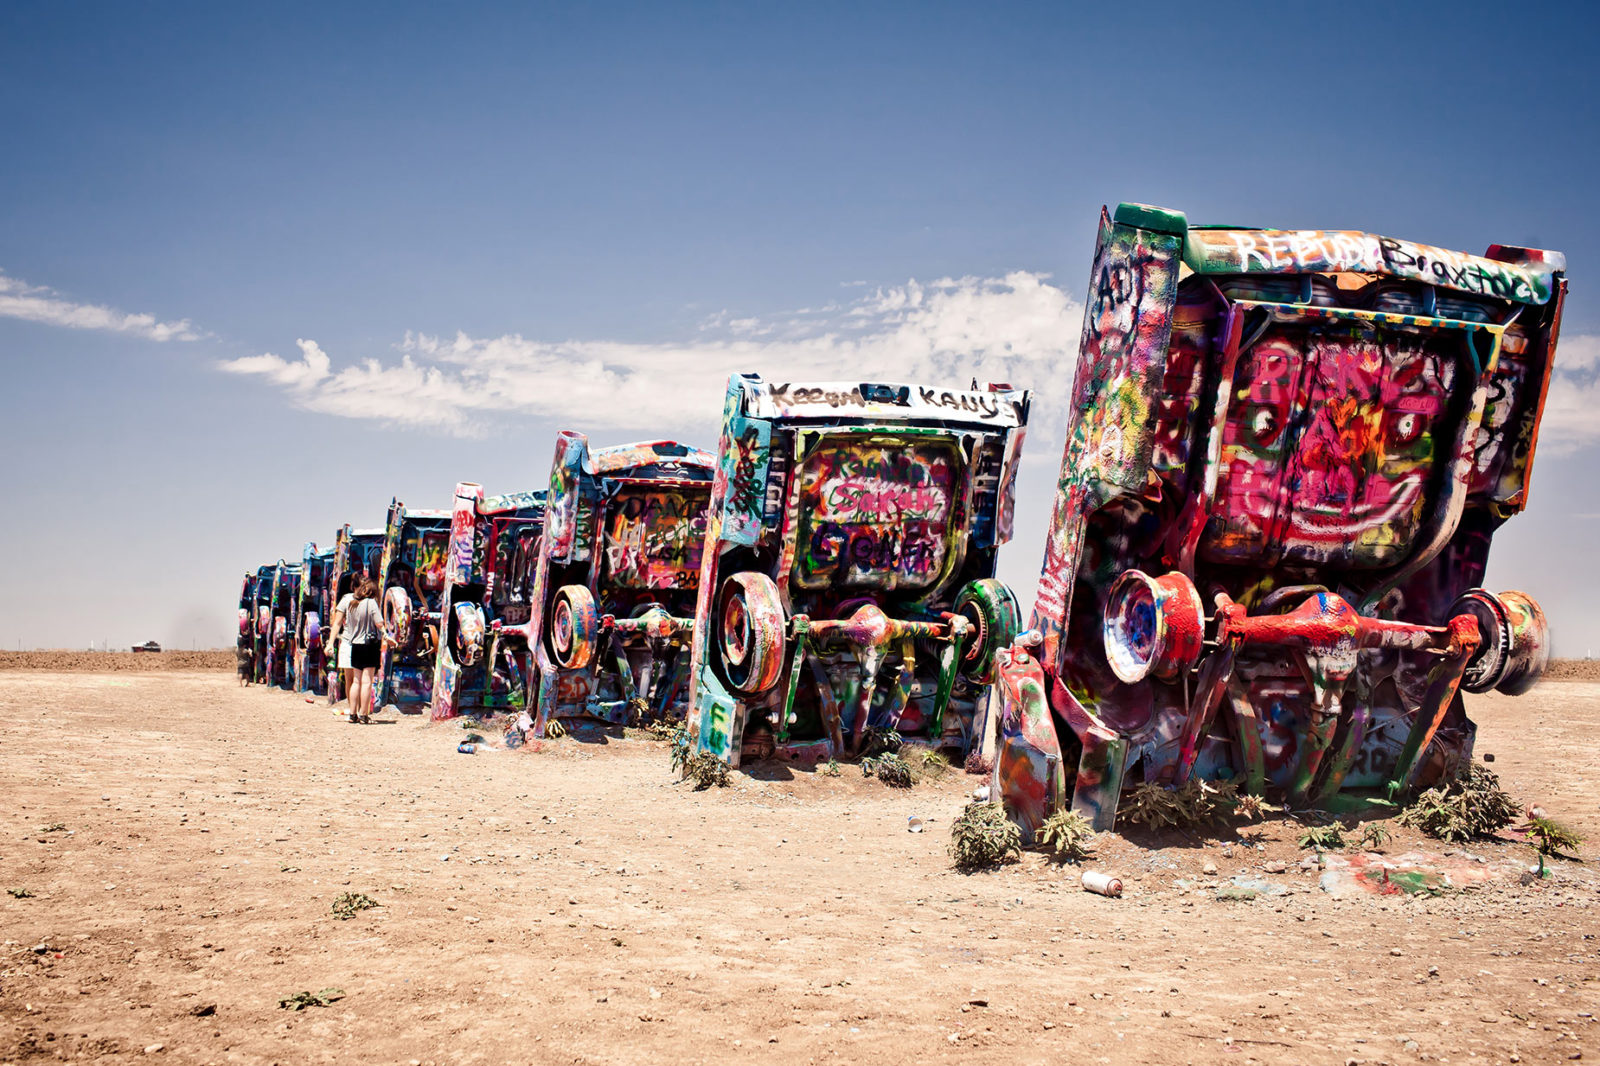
(1288, 452)
(848, 578)
(246, 642)
(483, 660)
(614, 591)
(312, 612)
(356, 554)
(411, 584)
(282, 602)
(260, 590)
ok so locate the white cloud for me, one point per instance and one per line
(1019, 329)
(1569, 421)
(37, 304)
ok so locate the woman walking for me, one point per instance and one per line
(363, 629)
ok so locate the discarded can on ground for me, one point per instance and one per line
(466, 747)
(1102, 884)
(913, 824)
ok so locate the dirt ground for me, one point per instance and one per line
(100, 662)
(173, 847)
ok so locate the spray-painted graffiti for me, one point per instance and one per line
(875, 514)
(1000, 405)
(1320, 251)
(654, 537)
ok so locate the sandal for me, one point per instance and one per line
(366, 719)
(354, 719)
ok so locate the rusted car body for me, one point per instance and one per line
(483, 661)
(848, 576)
(411, 580)
(614, 589)
(1288, 452)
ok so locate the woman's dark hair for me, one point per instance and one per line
(368, 589)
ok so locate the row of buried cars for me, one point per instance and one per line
(1287, 453)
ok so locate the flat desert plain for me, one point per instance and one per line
(172, 847)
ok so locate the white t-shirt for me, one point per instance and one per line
(361, 625)
(342, 609)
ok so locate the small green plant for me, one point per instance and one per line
(927, 762)
(983, 837)
(1322, 837)
(20, 893)
(1473, 805)
(350, 904)
(1374, 836)
(1068, 834)
(302, 1000)
(1236, 894)
(1550, 837)
(706, 771)
(678, 746)
(880, 742)
(829, 768)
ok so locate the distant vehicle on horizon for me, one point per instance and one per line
(148, 645)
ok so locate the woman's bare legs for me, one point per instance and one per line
(364, 707)
(358, 681)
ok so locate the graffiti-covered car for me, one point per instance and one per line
(614, 589)
(281, 602)
(848, 576)
(261, 624)
(1288, 452)
(313, 611)
(245, 641)
(357, 553)
(483, 661)
(411, 584)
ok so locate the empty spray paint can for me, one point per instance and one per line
(466, 747)
(1102, 884)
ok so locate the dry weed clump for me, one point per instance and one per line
(350, 904)
(983, 837)
(1068, 834)
(1194, 803)
(706, 771)
(889, 768)
(302, 1000)
(1473, 805)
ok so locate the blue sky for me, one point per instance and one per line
(580, 194)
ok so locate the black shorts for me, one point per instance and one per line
(364, 656)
